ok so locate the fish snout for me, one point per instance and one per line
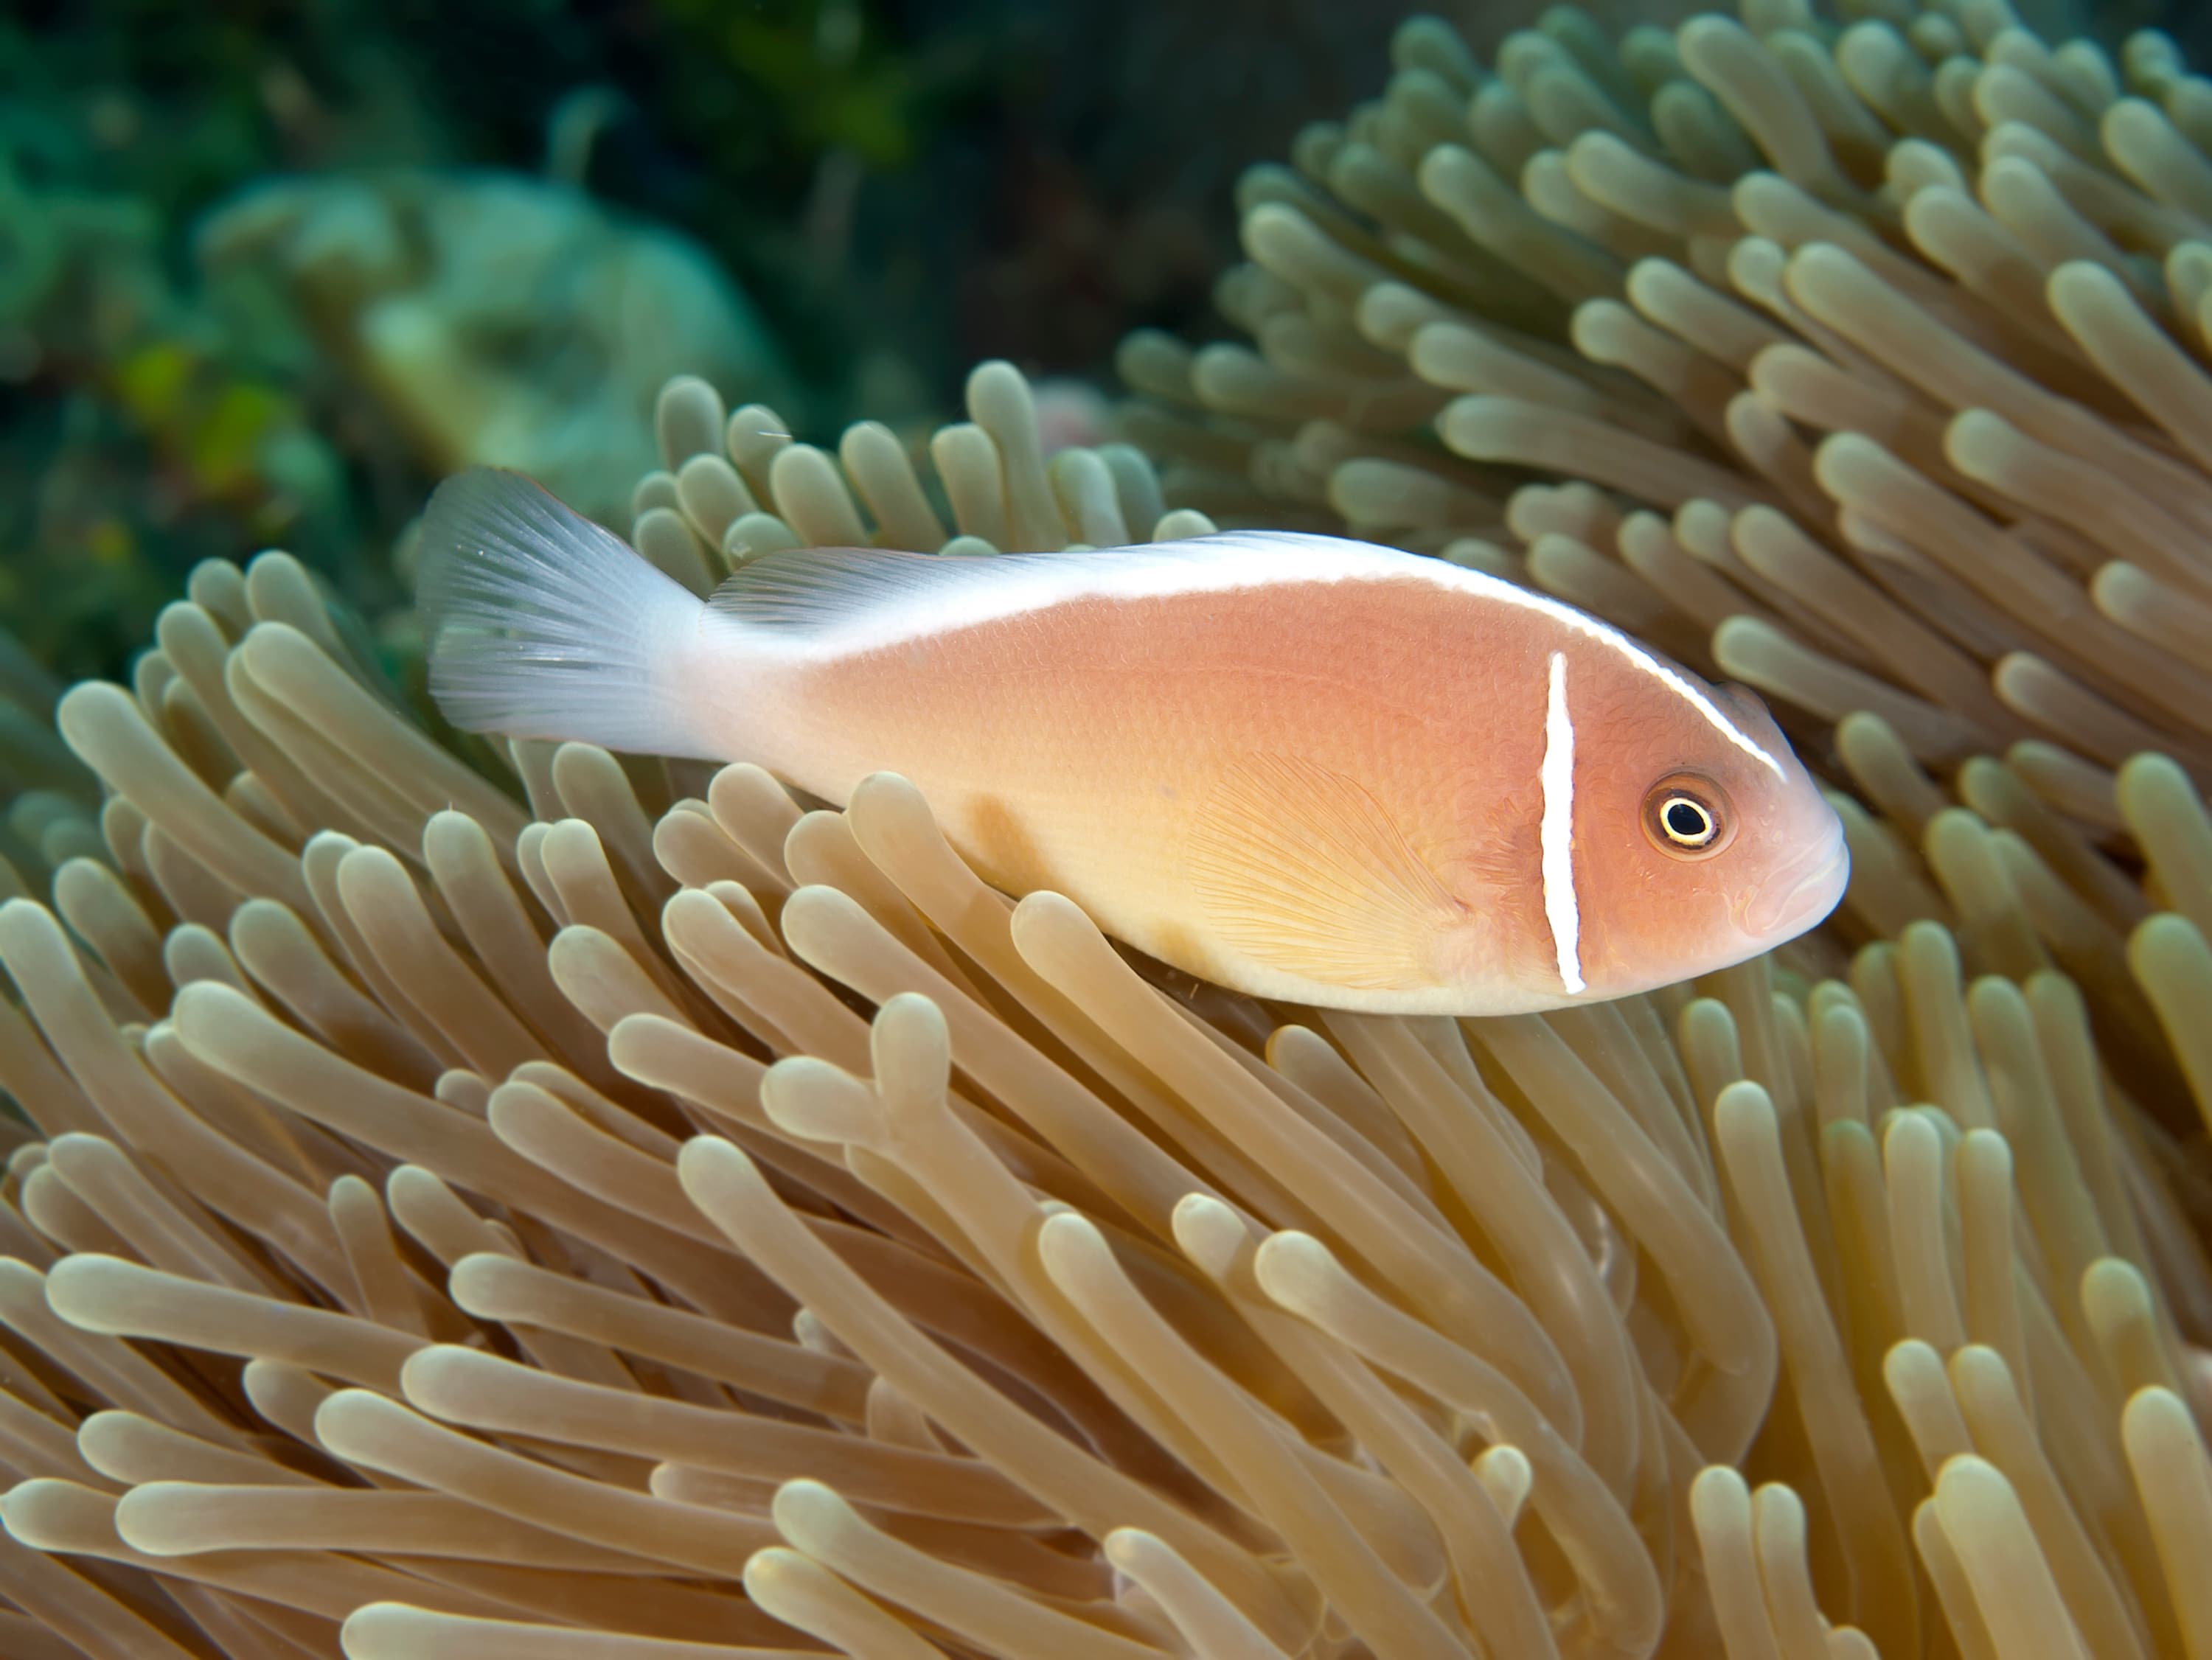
(1801, 893)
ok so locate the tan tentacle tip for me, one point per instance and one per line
(1210, 1233)
(817, 1101)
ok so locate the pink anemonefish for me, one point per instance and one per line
(1302, 767)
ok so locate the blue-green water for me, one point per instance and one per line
(198, 205)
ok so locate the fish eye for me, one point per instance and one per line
(1687, 817)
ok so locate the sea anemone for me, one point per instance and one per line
(588, 1206)
(661, 1224)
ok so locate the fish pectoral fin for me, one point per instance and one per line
(1303, 871)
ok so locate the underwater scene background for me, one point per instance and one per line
(468, 1198)
(845, 204)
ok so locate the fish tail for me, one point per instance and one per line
(544, 625)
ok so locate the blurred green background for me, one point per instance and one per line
(268, 269)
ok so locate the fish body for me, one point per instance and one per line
(1300, 766)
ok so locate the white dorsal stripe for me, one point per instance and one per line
(814, 604)
(1557, 831)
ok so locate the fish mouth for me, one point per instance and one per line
(1801, 893)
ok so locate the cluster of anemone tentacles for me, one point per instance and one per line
(630, 1216)
(1865, 362)
(666, 1222)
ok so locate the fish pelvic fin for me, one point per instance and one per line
(1305, 871)
(541, 624)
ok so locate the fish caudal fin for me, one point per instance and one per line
(541, 624)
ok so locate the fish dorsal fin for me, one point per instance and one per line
(870, 596)
(815, 590)
(1303, 869)
(854, 598)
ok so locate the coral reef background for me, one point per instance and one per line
(884, 193)
(892, 193)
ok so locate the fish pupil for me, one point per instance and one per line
(1686, 821)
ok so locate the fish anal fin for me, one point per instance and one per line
(1303, 869)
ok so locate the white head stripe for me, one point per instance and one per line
(1557, 831)
(881, 602)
